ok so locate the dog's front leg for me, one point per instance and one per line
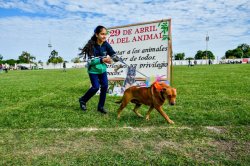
(119, 112)
(160, 110)
(123, 105)
(136, 110)
(149, 111)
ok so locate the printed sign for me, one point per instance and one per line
(145, 47)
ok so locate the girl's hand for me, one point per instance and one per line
(107, 60)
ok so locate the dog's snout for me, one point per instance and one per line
(172, 103)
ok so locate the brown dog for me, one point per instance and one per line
(153, 96)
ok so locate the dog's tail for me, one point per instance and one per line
(118, 102)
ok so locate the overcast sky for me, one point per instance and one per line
(29, 25)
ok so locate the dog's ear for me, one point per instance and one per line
(164, 89)
(169, 91)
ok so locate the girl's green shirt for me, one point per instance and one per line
(95, 64)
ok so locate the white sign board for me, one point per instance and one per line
(146, 46)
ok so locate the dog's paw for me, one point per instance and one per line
(147, 118)
(171, 122)
(140, 116)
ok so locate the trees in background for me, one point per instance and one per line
(54, 58)
(11, 62)
(8, 61)
(199, 55)
(204, 55)
(245, 49)
(179, 56)
(1, 58)
(76, 60)
(242, 51)
(26, 57)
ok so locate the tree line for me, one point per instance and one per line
(26, 57)
(242, 51)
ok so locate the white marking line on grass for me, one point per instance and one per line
(214, 129)
(91, 129)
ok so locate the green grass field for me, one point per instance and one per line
(41, 122)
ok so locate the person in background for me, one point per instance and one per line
(1, 68)
(189, 62)
(5, 68)
(98, 53)
(195, 62)
(64, 66)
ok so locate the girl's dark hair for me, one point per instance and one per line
(89, 47)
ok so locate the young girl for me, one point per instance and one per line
(97, 50)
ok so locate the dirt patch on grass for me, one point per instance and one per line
(130, 144)
(232, 149)
(216, 129)
(83, 145)
(159, 146)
